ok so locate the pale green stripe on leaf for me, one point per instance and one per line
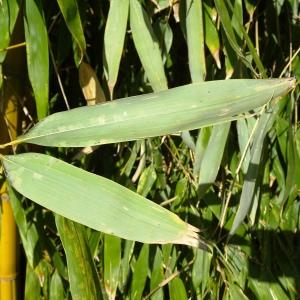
(95, 201)
(114, 36)
(147, 46)
(171, 111)
(70, 12)
(36, 37)
(195, 39)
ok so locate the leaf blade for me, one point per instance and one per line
(37, 54)
(156, 114)
(138, 218)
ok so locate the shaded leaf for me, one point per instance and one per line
(70, 12)
(147, 47)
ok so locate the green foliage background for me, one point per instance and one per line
(137, 47)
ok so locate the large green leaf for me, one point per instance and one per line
(37, 54)
(95, 201)
(183, 108)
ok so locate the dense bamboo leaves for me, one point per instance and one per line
(156, 114)
(37, 54)
(114, 36)
(70, 12)
(95, 201)
(84, 281)
(147, 47)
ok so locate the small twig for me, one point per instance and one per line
(59, 79)
(13, 47)
(289, 63)
(168, 279)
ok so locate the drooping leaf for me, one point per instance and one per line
(147, 47)
(213, 156)
(36, 37)
(195, 39)
(8, 15)
(249, 186)
(95, 201)
(114, 36)
(70, 12)
(183, 108)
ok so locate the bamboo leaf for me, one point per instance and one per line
(56, 287)
(9, 10)
(249, 187)
(32, 285)
(147, 47)
(157, 276)
(156, 114)
(112, 261)
(177, 290)
(195, 39)
(114, 36)
(37, 54)
(211, 36)
(83, 277)
(70, 12)
(140, 271)
(213, 156)
(95, 201)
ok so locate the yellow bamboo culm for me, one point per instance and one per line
(8, 249)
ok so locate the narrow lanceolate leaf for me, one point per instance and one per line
(147, 46)
(249, 187)
(83, 277)
(112, 264)
(114, 36)
(95, 201)
(213, 156)
(183, 108)
(211, 36)
(195, 39)
(8, 15)
(37, 54)
(70, 12)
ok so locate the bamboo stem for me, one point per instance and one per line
(8, 249)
